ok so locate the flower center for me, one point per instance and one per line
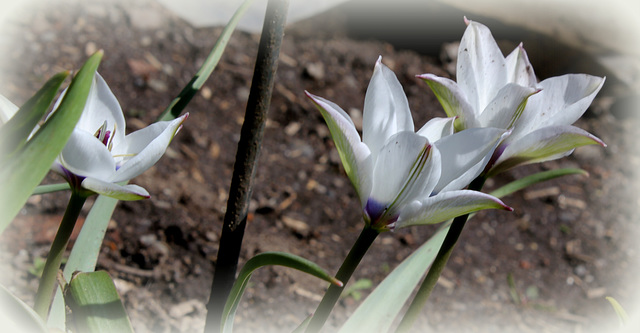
(105, 136)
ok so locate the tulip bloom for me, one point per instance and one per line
(405, 177)
(494, 91)
(98, 155)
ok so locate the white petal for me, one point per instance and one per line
(519, 69)
(7, 110)
(396, 161)
(445, 206)
(355, 155)
(102, 106)
(562, 101)
(386, 109)
(544, 144)
(146, 147)
(481, 70)
(86, 156)
(507, 106)
(453, 100)
(120, 192)
(437, 128)
(464, 156)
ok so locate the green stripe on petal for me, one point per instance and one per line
(113, 190)
(355, 155)
(445, 206)
(544, 144)
(453, 101)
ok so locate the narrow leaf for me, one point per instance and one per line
(377, 312)
(16, 131)
(49, 188)
(95, 304)
(184, 97)
(21, 174)
(17, 316)
(622, 314)
(85, 251)
(539, 177)
(267, 259)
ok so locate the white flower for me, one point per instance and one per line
(405, 177)
(98, 155)
(7, 110)
(494, 91)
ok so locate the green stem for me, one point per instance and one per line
(360, 247)
(48, 280)
(438, 265)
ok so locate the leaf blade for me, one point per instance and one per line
(266, 259)
(20, 175)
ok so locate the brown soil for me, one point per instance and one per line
(569, 243)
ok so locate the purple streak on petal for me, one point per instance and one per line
(74, 180)
(374, 210)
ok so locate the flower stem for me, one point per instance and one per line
(438, 265)
(360, 247)
(246, 161)
(47, 284)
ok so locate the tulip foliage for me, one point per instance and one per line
(496, 116)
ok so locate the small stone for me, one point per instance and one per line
(315, 71)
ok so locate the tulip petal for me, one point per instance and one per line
(464, 156)
(121, 192)
(507, 106)
(453, 100)
(355, 155)
(544, 144)
(102, 106)
(386, 109)
(445, 206)
(481, 70)
(519, 69)
(437, 128)
(143, 148)
(7, 110)
(86, 156)
(562, 101)
(394, 167)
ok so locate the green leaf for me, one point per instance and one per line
(354, 289)
(622, 314)
(16, 131)
(42, 189)
(17, 316)
(539, 177)
(266, 259)
(377, 312)
(95, 304)
(184, 97)
(85, 251)
(21, 174)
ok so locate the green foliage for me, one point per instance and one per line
(354, 290)
(377, 312)
(95, 305)
(266, 259)
(28, 165)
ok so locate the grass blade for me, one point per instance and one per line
(267, 259)
(539, 177)
(184, 97)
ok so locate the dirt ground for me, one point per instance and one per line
(568, 244)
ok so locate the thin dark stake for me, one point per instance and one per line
(246, 160)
